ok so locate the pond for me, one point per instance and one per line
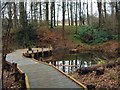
(71, 62)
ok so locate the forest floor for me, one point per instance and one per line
(9, 81)
(54, 37)
(108, 81)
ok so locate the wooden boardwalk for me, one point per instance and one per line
(41, 75)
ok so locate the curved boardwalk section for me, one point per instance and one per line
(39, 74)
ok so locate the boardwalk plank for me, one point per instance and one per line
(39, 74)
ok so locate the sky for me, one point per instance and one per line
(94, 7)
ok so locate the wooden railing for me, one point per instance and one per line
(18, 74)
(38, 53)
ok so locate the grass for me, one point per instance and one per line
(70, 32)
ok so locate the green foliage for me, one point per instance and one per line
(118, 59)
(101, 62)
(77, 36)
(93, 35)
(27, 35)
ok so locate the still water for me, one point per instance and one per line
(71, 62)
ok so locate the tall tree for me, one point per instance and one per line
(58, 5)
(54, 13)
(23, 22)
(118, 15)
(105, 13)
(52, 7)
(80, 17)
(91, 7)
(74, 15)
(15, 17)
(99, 4)
(63, 20)
(68, 12)
(31, 7)
(71, 12)
(35, 12)
(83, 14)
(88, 21)
(23, 15)
(112, 4)
(40, 17)
(76, 18)
(6, 36)
(91, 12)
(47, 12)
(118, 28)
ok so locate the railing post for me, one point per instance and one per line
(27, 52)
(51, 62)
(32, 54)
(7, 66)
(23, 81)
(37, 56)
(50, 50)
(54, 63)
(16, 71)
(42, 53)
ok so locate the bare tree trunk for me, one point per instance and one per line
(118, 16)
(15, 17)
(23, 22)
(80, 17)
(76, 18)
(35, 12)
(91, 12)
(40, 12)
(58, 13)
(47, 13)
(71, 11)
(52, 7)
(63, 20)
(31, 7)
(99, 3)
(105, 8)
(83, 18)
(88, 21)
(23, 16)
(112, 9)
(91, 7)
(54, 13)
(5, 39)
(68, 13)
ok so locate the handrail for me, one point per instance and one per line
(27, 83)
(23, 76)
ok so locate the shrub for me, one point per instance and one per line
(29, 32)
(93, 35)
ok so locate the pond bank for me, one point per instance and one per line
(107, 81)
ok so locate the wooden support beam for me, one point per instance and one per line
(32, 54)
(42, 53)
(37, 56)
(23, 81)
